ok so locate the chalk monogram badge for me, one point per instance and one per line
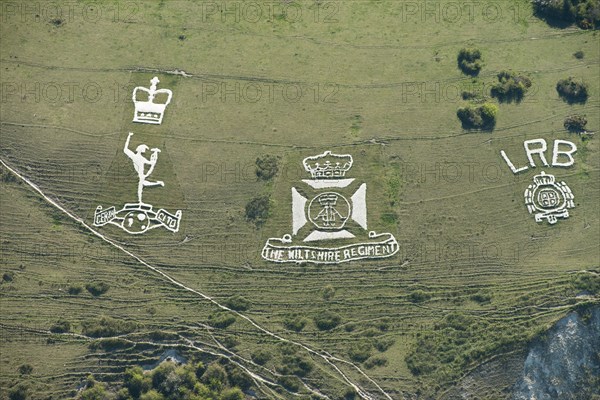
(137, 218)
(329, 208)
(545, 198)
(549, 200)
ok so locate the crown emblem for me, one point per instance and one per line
(149, 112)
(328, 165)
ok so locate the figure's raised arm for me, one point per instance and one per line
(126, 150)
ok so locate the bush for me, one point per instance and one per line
(238, 303)
(267, 167)
(74, 290)
(261, 356)
(290, 383)
(510, 87)
(586, 13)
(136, 382)
(215, 376)
(376, 361)
(481, 298)
(62, 326)
(8, 276)
(18, 392)
(478, 117)
(295, 322)
(221, 319)
(258, 209)
(295, 365)
(232, 394)
(97, 288)
(469, 61)
(327, 320)
(383, 344)
(107, 326)
(579, 55)
(572, 91)
(328, 292)
(419, 296)
(360, 352)
(25, 369)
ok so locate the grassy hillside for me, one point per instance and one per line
(475, 277)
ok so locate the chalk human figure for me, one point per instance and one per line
(139, 164)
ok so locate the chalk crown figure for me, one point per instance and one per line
(149, 112)
(328, 165)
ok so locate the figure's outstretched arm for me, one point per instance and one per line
(126, 150)
(152, 162)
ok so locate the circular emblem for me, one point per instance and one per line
(548, 199)
(135, 222)
(329, 211)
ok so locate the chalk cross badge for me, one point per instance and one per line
(137, 218)
(329, 208)
(548, 199)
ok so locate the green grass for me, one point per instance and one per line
(461, 234)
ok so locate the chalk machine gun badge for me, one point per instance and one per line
(322, 210)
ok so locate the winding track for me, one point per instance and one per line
(329, 359)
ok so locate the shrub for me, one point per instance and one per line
(97, 288)
(376, 361)
(18, 392)
(290, 383)
(109, 344)
(383, 344)
(586, 13)
(478, 117)
(572, 91)
(238, 303)
(221, 319)
(74, 290)
(136, 382)
(510, 87)
(419, 296)
(295, 322)
(481, 298)
(348, 394)
(579, 54)
(25, 369)
(106, 326)
(328, 292)
(295, 365)
(240, 379)
(8, 276)
(360, 352)
(267, 167)
(257, 210)
(215, 376)
(62, 326)
(7, 176)
(232, 394)
(469, 61)
(327, 320)
(261, 356)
